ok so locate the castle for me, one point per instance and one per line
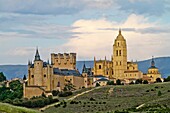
(44, 77)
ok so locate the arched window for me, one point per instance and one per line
(100, 66)
(120, 53)
(32, 76)
(44, 76)
(116, 52)
(118, 44)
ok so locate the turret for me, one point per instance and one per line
(37, 56)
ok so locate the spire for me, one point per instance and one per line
(84, 68)
(119, 31)
(37, 56)
(152, 62)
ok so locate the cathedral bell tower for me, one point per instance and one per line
(119, 56)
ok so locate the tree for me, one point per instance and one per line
(24, 78)
(167, 79)
(118, 82)
(158, 80)
(110, 83)
(97, 84)
(2, 77)
(138, 81)
(55, 92)
(159, 93)
(145, 82)
(132, 82)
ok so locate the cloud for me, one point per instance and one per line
(149, 7)
(143, 38)
(52, 7)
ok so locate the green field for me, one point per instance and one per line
(119, 98)
(7, 108)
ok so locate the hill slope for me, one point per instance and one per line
(163, 63)
(133, 98)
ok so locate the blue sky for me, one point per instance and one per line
(87, 27)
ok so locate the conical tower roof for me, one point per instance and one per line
(37, 56)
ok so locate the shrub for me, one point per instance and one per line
(97, 84)
(159, 93)
(145, 82)
(92, 99)
(65, 94)
(55, 92)
(147, 90)
(158, 80)
(118, 82)
(168, 90)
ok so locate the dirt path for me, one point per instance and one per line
(71, 98)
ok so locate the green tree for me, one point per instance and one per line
(118, 82)
(24, 78)
(159, 93)
(167, 79)
(97, 84)
(138, 81)
(2, 77)
(158, 80)
(145, 82)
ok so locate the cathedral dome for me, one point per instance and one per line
(120, 36)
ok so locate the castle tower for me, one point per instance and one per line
(119, 56)
(35, 72)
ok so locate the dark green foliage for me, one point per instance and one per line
(97, 84)
(145, 82)
(14, 91)
(132, 82)
(118, 82)
(159, 93)
(55, 92)
(138, 81)
(92, 99)
(158, 80)
(35, 102)
(110, 83)
(2, 77)
(65, 94)
(167, 79)
(24, 78)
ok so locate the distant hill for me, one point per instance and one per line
(163, 63)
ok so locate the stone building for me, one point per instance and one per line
(118, 67)
(44, 77)
(153, 72)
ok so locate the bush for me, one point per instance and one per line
(92, 99)
(159, 93)
(55, 92)
(118, 82)
(145, 82)
(65, 94)
(97, 84)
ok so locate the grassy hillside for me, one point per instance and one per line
(119, 98)
(7, 108)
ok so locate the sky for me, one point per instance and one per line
(86, 27)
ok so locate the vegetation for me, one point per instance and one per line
(167, 79)
(15, 90)
(2, 77)
(145, 82)
(120, 99)
(118, 82)
(110, 83)
(7, 108)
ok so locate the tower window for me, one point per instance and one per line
(118, 44)
(116, 52)
(120, 63)
(107, 73)
(32, 76)
(100, 66)
(44, 76)
(119, 52)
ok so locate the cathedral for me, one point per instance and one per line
(119, 68)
